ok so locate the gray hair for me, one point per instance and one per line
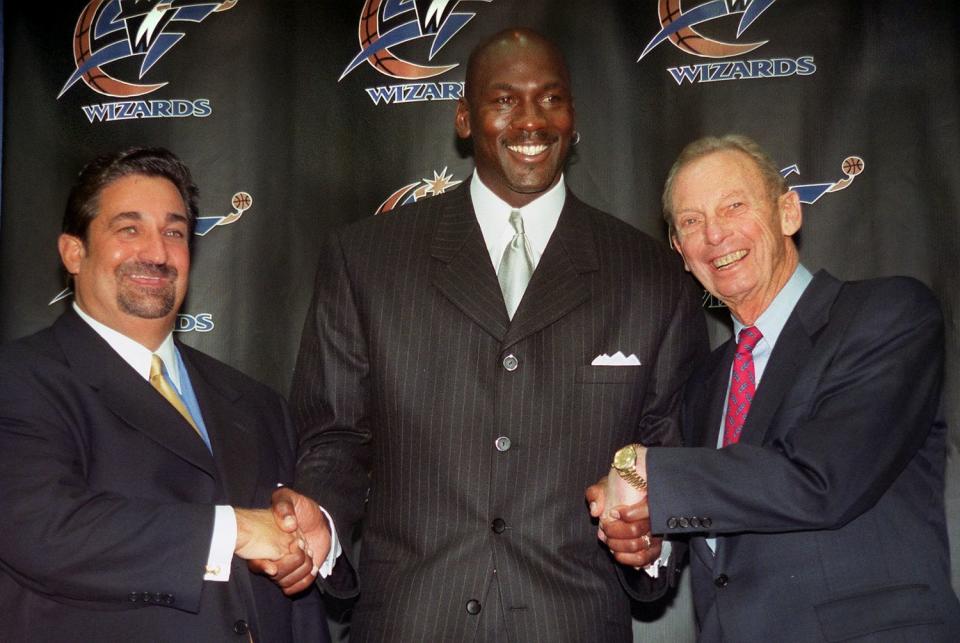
(776, 184)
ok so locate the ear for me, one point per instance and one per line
(72, 252)
(675, 244)
(463, 118)
(791, 214)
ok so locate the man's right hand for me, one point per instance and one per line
(296, 514)
(259, 537)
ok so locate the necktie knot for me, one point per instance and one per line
(516, 221)
(747, 339)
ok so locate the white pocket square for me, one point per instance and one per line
(617, 359)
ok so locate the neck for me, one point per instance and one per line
(748, 311)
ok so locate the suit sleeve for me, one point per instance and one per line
(873, 397)
(330, 400)
(64, 538)
(682, 346)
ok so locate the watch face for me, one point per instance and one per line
(625, 458)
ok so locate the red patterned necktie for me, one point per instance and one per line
(742, 385)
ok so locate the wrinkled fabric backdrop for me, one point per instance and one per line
(299, 116)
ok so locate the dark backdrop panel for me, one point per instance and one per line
(315, 150)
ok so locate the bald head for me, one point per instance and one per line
(502, 46)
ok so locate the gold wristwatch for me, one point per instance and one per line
(624, 461)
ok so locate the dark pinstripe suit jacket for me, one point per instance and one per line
(403, 387)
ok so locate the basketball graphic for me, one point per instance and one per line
(385, 61)
(686, 38)
(852, 165)
(95, 78)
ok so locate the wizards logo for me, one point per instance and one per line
(685, 30)
(440, 183)
(112, 34)
(386, 25)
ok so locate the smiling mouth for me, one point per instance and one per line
(146, 275)
(729, 258)
(528, 149)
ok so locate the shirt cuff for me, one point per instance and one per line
(222, 543)
(335, 550)
(653, 569)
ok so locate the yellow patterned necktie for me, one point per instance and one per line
(159, 382)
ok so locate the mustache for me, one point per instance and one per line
(145, 269)
(536, 136)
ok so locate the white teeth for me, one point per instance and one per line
(527, 150)
(728, 259)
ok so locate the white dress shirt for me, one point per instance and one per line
(540, 218)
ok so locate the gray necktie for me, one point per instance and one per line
(516, 266)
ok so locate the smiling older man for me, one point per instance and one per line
(813, 494)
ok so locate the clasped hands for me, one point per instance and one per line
(624, 521)
(287, 542)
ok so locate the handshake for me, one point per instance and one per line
(624, 515)
(287, 542)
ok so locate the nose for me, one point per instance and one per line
(529, 117)
(152, 248)
(714, 230)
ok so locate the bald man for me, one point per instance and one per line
(454, 391)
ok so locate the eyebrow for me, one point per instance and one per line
(133, 215)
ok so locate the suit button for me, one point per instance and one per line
(721, 581)
(695, 522)
(241, 627)
(683, 522)
(473, 607)
(498, 525)
(133, 597)
(706, 522)
(146, 597)
(166, 599)
(510, 362)
(671, 522)
(502, 443)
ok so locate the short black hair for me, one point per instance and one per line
(83, 202)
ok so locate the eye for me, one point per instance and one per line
(503, 100)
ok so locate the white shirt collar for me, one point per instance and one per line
(133, 353)
(540, 218)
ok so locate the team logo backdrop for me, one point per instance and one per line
(300, 116)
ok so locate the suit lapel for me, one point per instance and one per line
(232, 439)
(559, 283)
(714, 393)
(793, 349)
(464, 274)
(126, 393)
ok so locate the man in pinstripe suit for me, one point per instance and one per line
(462, 431)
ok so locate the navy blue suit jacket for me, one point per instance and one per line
(830, 509)
(108, 498)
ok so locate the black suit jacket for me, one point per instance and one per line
(108, 497)
(464, 441)
(830, 509)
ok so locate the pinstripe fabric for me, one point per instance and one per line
(401, 374)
